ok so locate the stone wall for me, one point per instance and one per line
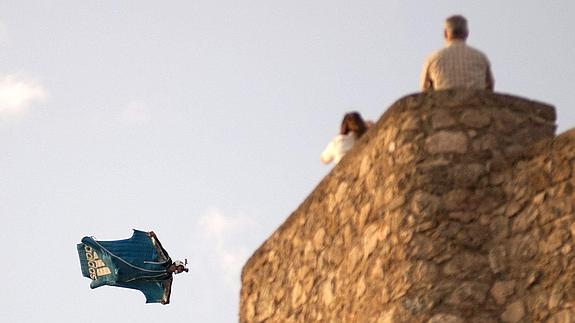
(445, 211)
(532, 254)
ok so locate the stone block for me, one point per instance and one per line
(455, 200)
(475, 118)
(465, 265)
(498, 259)
(468, 294)
(447, 142)
(514, 312)
(462, 216)
(524, 220)
(564, 316)
(466, 175)
(502, 290)
(442, 119)
(445, 318)
(389, 316)
(485, 142)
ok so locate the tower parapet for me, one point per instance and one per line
(419, 222)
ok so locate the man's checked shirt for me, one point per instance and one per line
(456, 66)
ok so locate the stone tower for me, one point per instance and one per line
(457, 206)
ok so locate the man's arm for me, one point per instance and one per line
(425, 82)
(489, 82)
(162, 253)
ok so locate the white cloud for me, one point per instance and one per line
(214, 224)
(223, 233)
(17, 94)
(136, 113)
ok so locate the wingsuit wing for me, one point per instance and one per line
(154, 291)
(138, 263)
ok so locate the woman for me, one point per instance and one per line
(352, 128)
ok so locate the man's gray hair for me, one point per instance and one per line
(456, 27)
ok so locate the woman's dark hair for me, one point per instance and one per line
(353, 122)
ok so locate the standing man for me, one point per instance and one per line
(457, 65)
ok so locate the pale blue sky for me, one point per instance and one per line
(204, 121)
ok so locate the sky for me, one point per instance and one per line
(203, 120)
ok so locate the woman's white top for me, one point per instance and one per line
(337, 148)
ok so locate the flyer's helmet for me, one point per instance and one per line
(178, 263)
